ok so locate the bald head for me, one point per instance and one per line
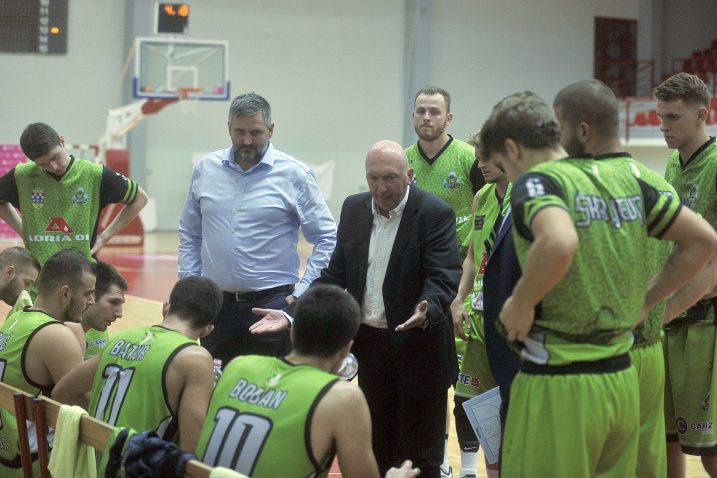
(591, 102)
(387, 174)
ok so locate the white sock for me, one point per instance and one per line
(445, 464)
(468, 462)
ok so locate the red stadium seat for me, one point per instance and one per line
(653, 119)
(640, 119)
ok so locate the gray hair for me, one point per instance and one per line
(250, 104)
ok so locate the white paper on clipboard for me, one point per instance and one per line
(483, 413)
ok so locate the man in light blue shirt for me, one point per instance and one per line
(240, 227)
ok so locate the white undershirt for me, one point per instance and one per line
(383, 235)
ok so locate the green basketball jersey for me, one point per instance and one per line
(260, 417)
(58, 214)
(696, 184)
(129, 386)
(590, 313)
(486, 223)
(650, 330)
(15, 336)
(449, 178)
(23, 300)
(96, 341)
(696, 181)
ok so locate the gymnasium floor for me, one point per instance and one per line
(151, 274)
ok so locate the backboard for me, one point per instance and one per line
(166, 66)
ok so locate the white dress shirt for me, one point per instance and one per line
(383, 235)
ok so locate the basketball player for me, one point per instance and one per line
(446, 167)
(475, 376)
(288, 416)
(575, 222)
(109, 297)
(36, 348)
(683, 106)
(154, 378)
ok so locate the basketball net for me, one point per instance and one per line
(188, 99)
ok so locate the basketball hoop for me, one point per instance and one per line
(189, 99)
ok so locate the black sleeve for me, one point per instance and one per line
(652, 197)
(530, 186)
(116, 187)
(8, 189)
(477, 179)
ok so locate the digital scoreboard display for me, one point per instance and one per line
(33, 26)
(172, 18)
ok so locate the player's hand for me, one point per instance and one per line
(418, 319)
(406, 471)
(272, 321)
(517, 319)
(100, 242)
(460, 317)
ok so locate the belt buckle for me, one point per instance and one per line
(238, 298)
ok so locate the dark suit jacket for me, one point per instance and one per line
(424, 264)
(501, 274)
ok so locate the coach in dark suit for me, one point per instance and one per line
(501, 274)
(405, 346)
(397, 254)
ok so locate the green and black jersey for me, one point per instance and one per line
(452, 175)
(63, 212)
(650, 330)
(259, 420)
(95, 341)
(696, 184)
(487, 219)
(15, 336)
(590, 313)
(129, 386)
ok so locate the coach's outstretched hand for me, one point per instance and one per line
(418, 319)
(273, 321)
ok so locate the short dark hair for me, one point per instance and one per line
(683, 86)
(591, 102)
(196, 299)
(107, 276)
(250, 104)
(326, 318)
(65, 267)
(434, 90)
(523, 117)
(18, 257)
(38, 139)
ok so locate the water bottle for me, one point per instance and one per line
(217, 370)
(349, 368)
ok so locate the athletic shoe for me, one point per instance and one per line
(469, 476)
(446, 473)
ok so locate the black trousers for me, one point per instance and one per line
(231, 336)
(402, 427)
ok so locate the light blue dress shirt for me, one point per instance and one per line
(241, 228)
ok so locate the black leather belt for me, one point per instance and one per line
(254, 295)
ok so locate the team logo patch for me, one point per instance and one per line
(58, 224)
(452, 181)
(681, 425)
(692, 196)
(80, 196)
(535, 187)
(37, 198)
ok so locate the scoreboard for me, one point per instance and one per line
(33, 26)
